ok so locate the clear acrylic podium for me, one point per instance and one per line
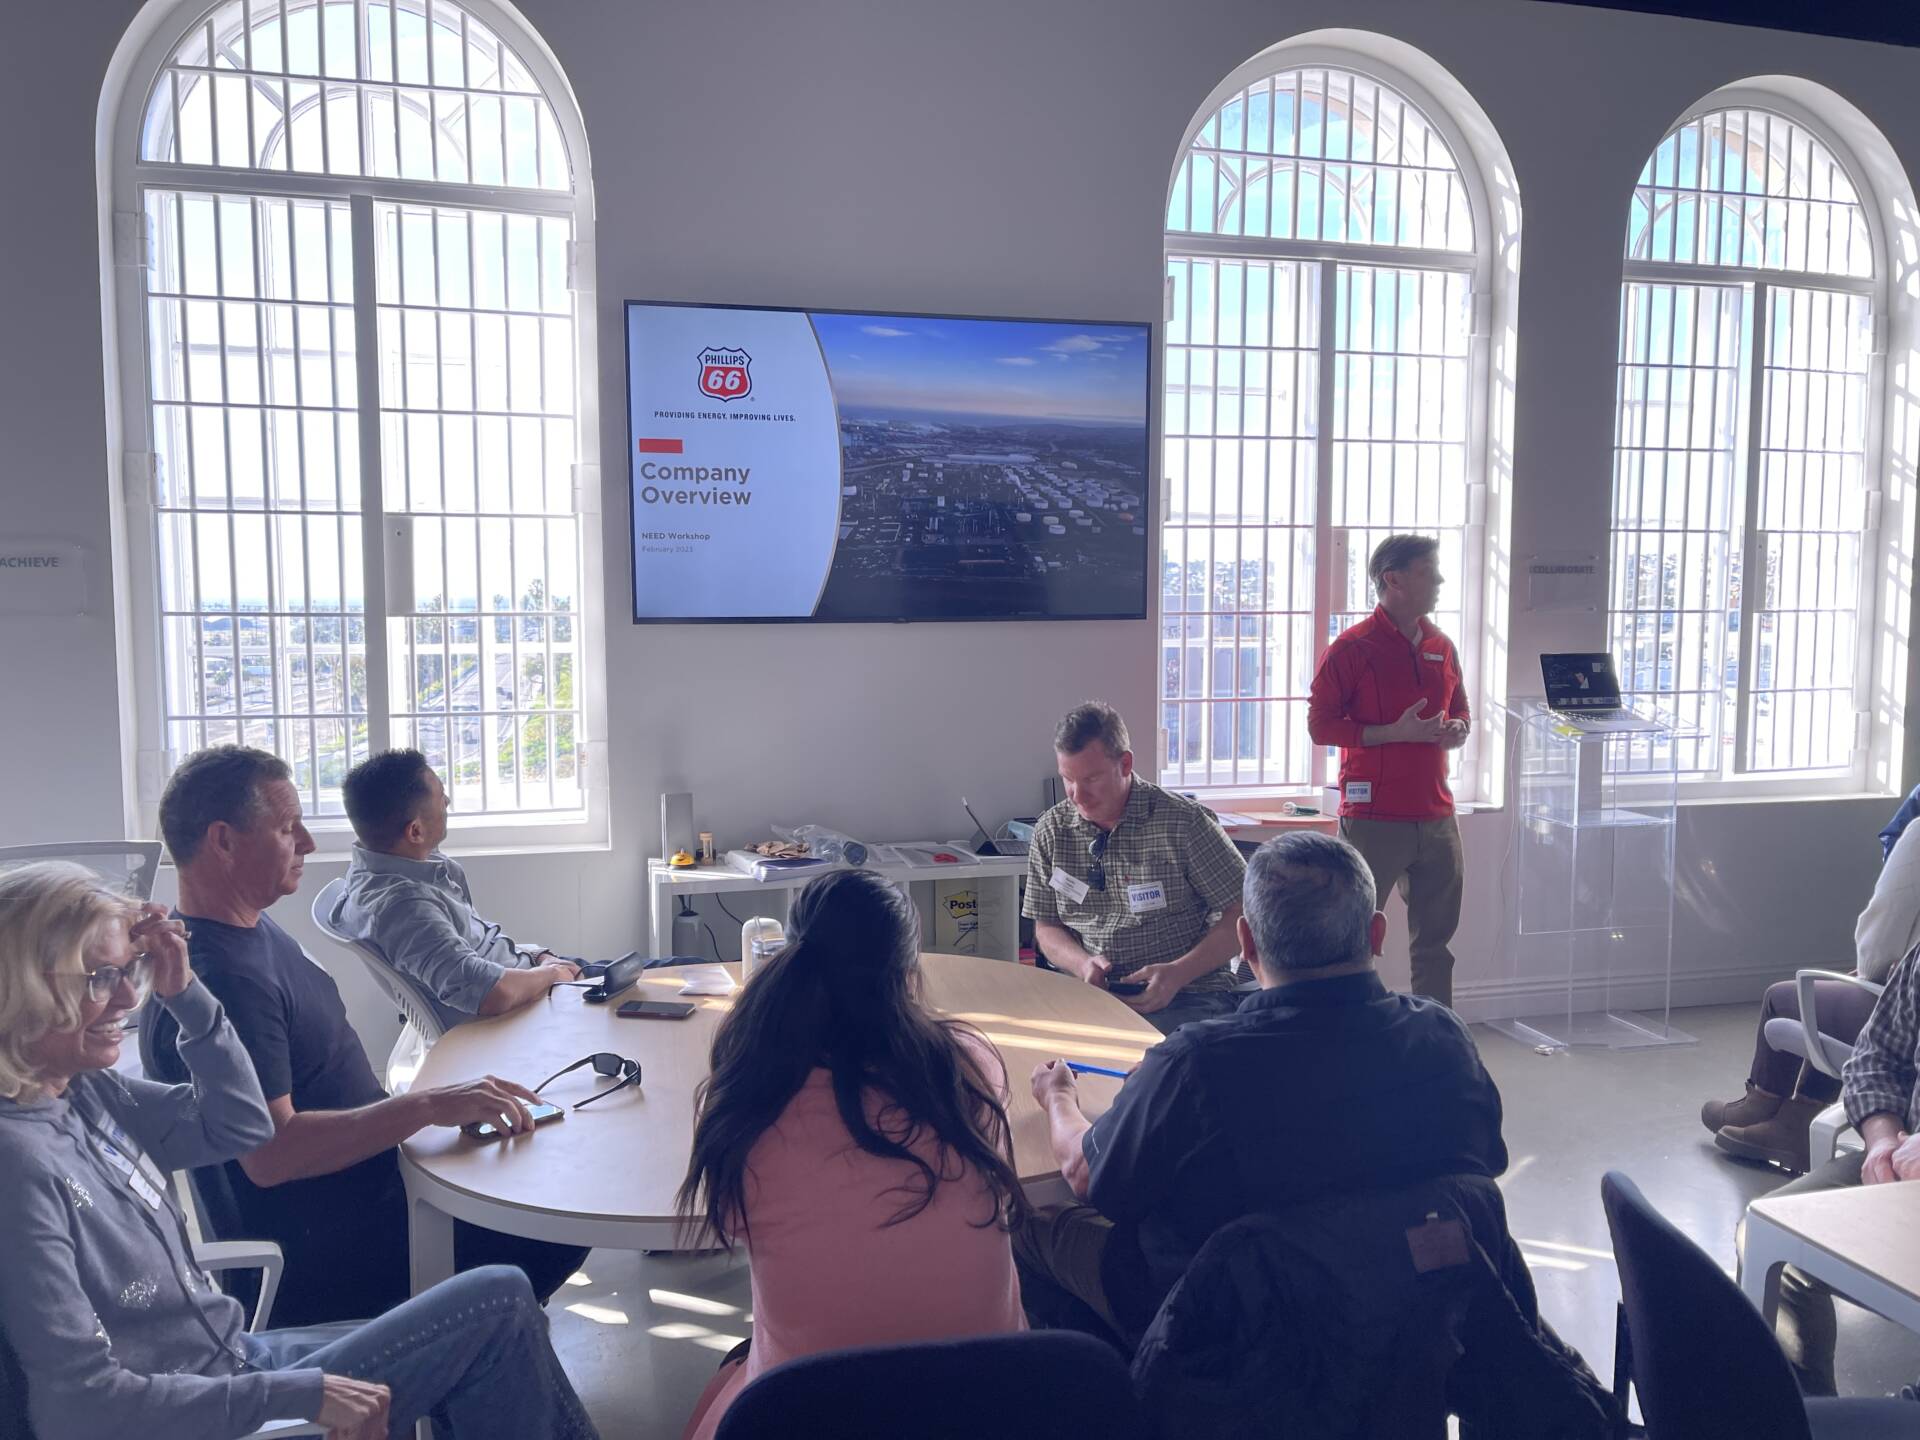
(1593, 850)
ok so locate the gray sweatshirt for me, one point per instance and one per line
(117, 1330)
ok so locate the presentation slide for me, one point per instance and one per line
(792, 465)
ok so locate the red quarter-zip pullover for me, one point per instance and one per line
(1370, 674)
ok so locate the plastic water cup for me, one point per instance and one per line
(760, 940)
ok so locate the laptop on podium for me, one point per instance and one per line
(1584, 691)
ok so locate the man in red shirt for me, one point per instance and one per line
(1389, 694)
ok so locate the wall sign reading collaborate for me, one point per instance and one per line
(42, 577)
(791, 465)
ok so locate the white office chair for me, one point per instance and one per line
(409, 997)
(1803, 1037)
(131, 864)
(216, 1255)
(261, 1255)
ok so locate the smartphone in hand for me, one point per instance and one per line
(487, 1130)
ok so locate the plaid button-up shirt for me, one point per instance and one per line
(1881, 1077)
(1162, 839)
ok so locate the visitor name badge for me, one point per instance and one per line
(140, 1158)
(1142, 898)
(1436, 659)
(1359, 792)
(140, 1184)
(1067, 885)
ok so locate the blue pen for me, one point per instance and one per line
(1077, 1068)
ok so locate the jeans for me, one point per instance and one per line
(472, 1353)
(1191, 1005)
(349, 1266)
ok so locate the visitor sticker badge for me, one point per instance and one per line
(1359, 792)
(1142, 898)
(111, 1154)
(1067, 885)
(145, 1162)
(131, 1173)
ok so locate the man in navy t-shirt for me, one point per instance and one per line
(327, 1187)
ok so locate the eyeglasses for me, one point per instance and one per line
(103, 982)
(605, 1063)
(1097, 876)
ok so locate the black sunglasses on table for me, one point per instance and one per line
(604, 1063)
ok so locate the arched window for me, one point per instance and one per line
(1326, 242)
(1744, 495)
(358, 363)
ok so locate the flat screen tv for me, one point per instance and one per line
(823, 465)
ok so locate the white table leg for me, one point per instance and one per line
(1006, 893)
(1769, 1247)
(429, 1244)
(1761, 1256)
(660, 919)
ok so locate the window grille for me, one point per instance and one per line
(362, 395)
(1320, 271)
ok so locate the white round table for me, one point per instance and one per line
(608, 1175)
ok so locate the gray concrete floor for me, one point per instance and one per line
(641, 1335)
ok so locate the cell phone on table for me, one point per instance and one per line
(1126, 987)
(654, 1010)
(487, 1130)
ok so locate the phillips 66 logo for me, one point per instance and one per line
(724, 374)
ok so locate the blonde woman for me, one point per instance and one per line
(115, 1328)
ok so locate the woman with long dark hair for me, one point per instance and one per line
(856, 1142)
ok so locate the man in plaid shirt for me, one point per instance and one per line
(1880, 1086)
(1132, 886)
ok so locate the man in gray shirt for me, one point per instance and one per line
(412, 904)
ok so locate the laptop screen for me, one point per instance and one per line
(1580, 682)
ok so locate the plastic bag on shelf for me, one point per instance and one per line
(825, 844)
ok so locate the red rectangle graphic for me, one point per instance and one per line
(661, 447)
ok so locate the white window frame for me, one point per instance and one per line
(1330, 541)
(146, 760)
(1874, 548)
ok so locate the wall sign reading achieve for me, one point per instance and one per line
(42, 577)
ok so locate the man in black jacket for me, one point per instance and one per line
(1324, 1083)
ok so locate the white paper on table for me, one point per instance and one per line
(707, 980)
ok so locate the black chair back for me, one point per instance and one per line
(1703, 1361)
(1036, 1385)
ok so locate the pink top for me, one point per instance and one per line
(829, 1272)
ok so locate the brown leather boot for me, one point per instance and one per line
(1750, 1109)
(1781, 1140)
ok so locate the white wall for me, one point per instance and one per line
(1000, 157)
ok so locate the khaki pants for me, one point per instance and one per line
(1069, 1249)
(1424, 859)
